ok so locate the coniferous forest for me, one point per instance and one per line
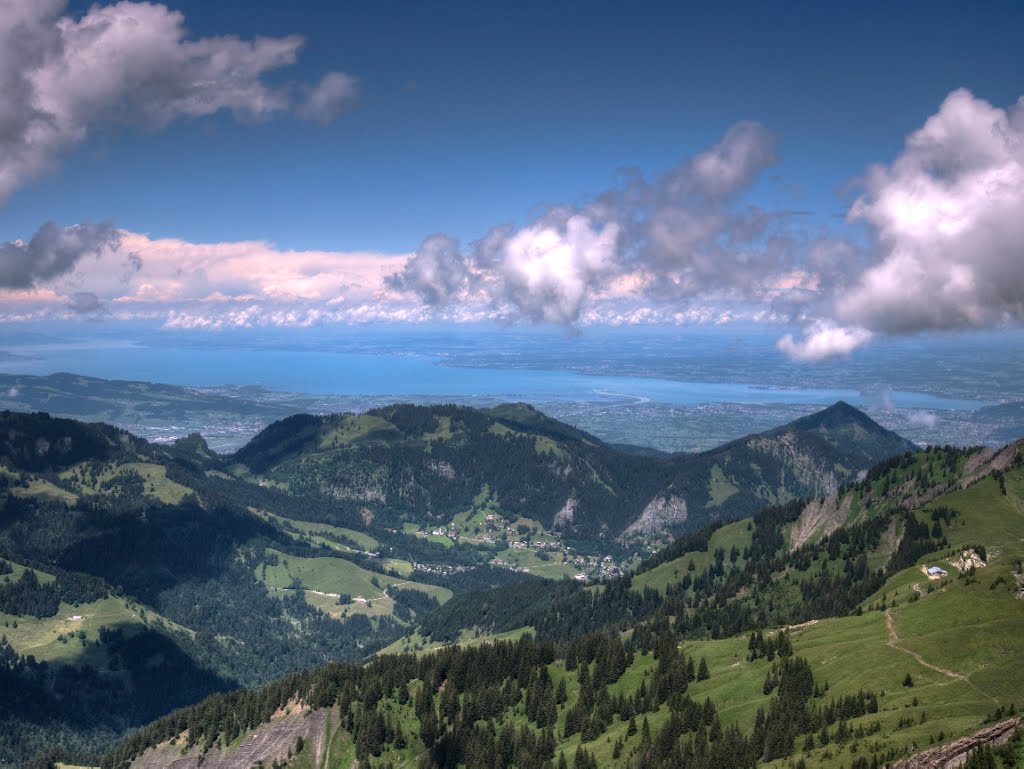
(215, 589)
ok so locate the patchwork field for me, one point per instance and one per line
(324, 580)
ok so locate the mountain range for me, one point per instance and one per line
(131, 565)
(405, 463)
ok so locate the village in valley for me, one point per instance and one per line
(522, 545)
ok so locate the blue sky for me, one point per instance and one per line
(472, 114)
(462, 117)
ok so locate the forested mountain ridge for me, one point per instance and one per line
(130, 560)
(733, 648)
(426, 464)
(135, 578)
(866, 531)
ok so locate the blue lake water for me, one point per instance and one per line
(405, 376)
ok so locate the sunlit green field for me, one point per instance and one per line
(732, 535)
(322, 580)
(59, 639)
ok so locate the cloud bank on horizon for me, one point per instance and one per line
(936, 239)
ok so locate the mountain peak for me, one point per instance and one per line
(842, 409)
(841, 423)
(840, 406)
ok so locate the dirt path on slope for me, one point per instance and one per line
(802, 625)
(890, 626)
(894, 639)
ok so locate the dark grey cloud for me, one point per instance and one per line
(53, 251)
(85, 303)
(436, 273)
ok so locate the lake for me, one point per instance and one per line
(399, 374)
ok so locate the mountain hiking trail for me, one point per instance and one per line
(893, 643)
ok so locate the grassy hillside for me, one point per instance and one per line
(736, 535)
(852, 654)
(73, 634)
(914, 662)
(323, 581)
(142, 565)
(328, 538)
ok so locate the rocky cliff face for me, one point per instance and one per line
(955, 754)
(660, 515)
(986, 461)
(565, 515)
(270, 743)
(808, 469)
(820, 518)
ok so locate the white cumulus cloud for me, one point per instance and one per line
(948, 213)
(95, 270)
(548, 271)
(823, 340)
(948, 217)
(668, 241)
(62, 76)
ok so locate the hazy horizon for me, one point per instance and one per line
(784, 210)
(671, 389)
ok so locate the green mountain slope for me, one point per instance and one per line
(701, 666)
(324, 539)
(427, 464)
(137, 578)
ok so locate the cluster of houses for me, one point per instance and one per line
(597, 567)
(496, 529)
(588, 567)
(439, 568)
